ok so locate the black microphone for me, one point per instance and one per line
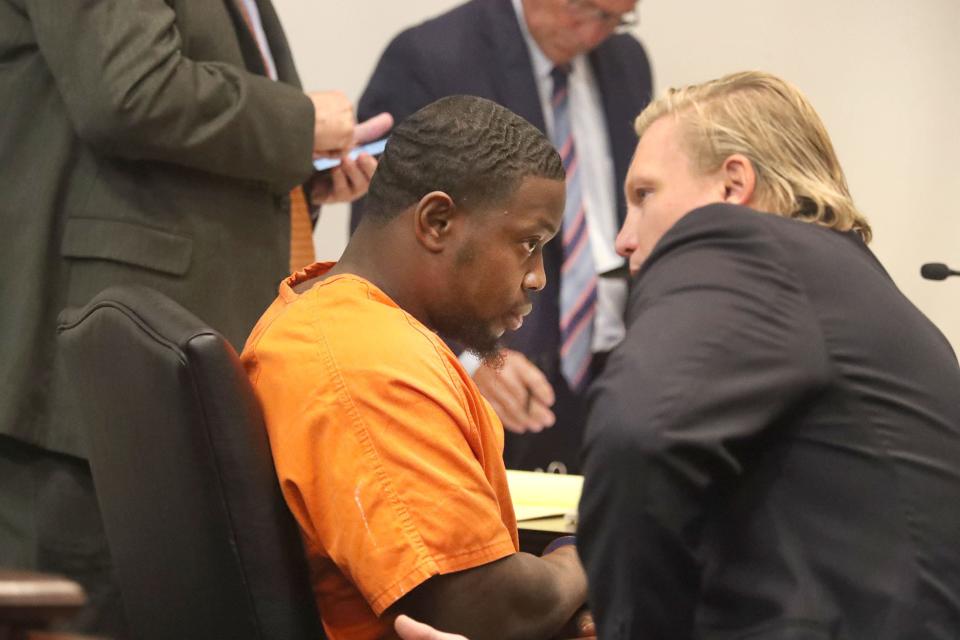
(937, 271)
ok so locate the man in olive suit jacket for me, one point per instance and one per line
(144, 141)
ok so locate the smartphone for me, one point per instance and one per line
(374, 148)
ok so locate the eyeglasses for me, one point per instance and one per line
(587, 10)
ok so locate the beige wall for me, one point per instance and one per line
(884, 75)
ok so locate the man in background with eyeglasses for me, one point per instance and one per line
(568, 67)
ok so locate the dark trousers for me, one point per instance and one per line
(50, 522)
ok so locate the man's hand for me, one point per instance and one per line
(373, 128)
(519, 393)
(333, 123)
(409, 629)
(335, 130)
(344, 183)
(580, 626)
(350, 180)
(518, 596)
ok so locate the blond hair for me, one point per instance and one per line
(769, 121)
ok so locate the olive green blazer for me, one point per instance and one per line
(139, 143)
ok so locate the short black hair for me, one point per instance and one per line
(473, 149)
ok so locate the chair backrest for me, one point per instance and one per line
(202, 543)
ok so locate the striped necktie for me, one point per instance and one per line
(578, 276)
(301, 229)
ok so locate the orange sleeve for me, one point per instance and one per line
(402, 495)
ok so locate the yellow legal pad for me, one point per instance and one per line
(544, 495)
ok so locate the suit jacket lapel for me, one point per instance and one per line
(515, 85)
(279, 47)
(618, 114)
(252, 59)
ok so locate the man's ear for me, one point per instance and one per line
(433, 219)
(739, 180)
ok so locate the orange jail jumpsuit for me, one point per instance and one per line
(388, 456)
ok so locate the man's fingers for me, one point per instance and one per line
(367, 164)
(513, 428)
(333, 136)
(338, 185)
(536, 383)
(333, 127)
(585, 625)
(533, 388)
(512, 417)
(495, 391)
(530, 376)
(372, 129)
(356, 179)
(505, 384)
(526, 415)
(409, 629)
(348, 181)
(519, 393)
(541, 415)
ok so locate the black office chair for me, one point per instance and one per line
(202, 542)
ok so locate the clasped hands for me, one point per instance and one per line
(519, 392)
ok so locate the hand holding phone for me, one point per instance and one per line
(343, 183)
(374, 148)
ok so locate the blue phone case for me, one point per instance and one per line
(374, 148)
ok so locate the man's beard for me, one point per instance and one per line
(469, 331)
(473, 335)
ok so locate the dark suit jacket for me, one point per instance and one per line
(478, 49)
(136, 147)
(774, 450)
